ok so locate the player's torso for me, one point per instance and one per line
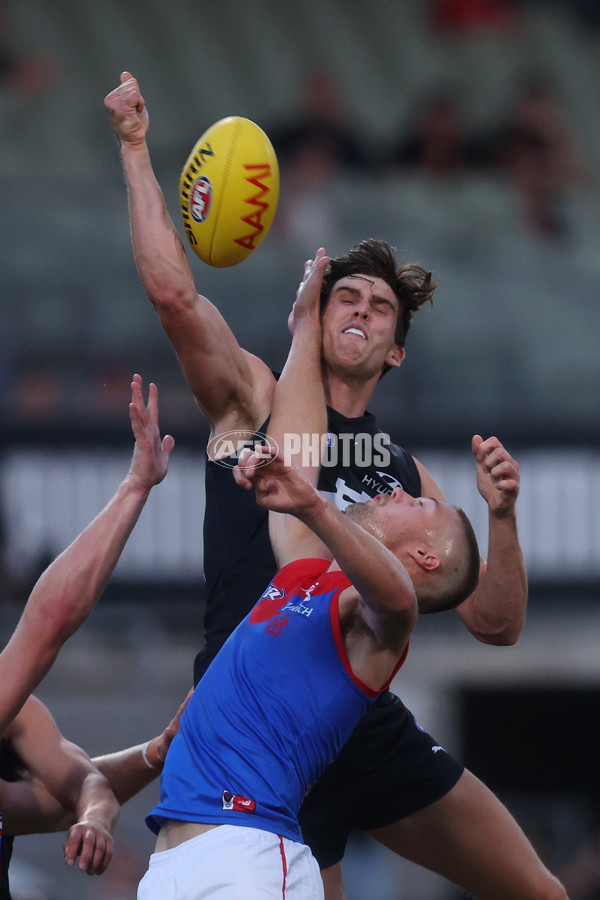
(272, 711)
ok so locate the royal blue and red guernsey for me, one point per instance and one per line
(274, 708)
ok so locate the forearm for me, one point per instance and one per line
(96, 802)
(159, 253)
(64, 596)
(129, 771)
(378, 576)
(70, 587)
(299, 415)
(495, 613)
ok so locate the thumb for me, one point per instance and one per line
(476, 442)
(126, 76)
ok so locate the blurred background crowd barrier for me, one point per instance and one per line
(465, 133)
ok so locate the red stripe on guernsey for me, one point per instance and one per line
(334, 614)
(284, 865)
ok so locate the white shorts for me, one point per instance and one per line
(233, 862)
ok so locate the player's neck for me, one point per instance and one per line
(348, 397)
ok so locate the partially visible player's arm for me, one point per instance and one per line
(68, 590)
(130, 770)
(495, 612)
(69, 775)
(38, 803)
(232, 387)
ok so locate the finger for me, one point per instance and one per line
(244, 457)
(499, 457)
(168, 442)
(241, 478)
(133, 90)
(508, 486)
(87, 850)
(153, 402)
(136, 393)
(71, 848)
(504, 469)
(102, 856)
(476, 442)
(489, 445)
(318, 269)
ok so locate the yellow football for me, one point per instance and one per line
(228, 188)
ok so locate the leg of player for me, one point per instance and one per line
(470, 838)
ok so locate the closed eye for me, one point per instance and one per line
(382, 306)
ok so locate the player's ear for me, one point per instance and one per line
(424, 557)
(395, 356)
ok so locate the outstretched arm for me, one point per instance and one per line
(67, 591)
(299, 417)
(231, 386)
(495, 612)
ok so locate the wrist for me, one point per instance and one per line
(133, 147)
(150, 754)
(314, 510)
(508, 515)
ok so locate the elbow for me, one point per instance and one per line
(170, 301)
(502, 636)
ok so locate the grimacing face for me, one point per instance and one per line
(359, 324)
(399, 518)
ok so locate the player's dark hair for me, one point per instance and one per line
(461, 581)
(412, 285)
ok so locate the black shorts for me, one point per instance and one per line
(389, 769)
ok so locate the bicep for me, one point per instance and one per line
(229, 384)
(46, 753)
(29, 808)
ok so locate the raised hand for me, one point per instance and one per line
(308, 295)
(279, 487)
(150, 455)
(163, 742)
(497, 475)
(127, 110)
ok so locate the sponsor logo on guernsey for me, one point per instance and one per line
(273, 593)
(277, 625)
(237, 802)
(344, 495)
(437, 749)
(268, 605)
(301, 606)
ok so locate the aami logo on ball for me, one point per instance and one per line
(201, 199)
(261, 171)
